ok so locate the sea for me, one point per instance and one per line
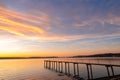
(33, 69)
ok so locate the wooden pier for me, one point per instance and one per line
(58, 67)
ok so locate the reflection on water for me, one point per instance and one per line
(32, 69)
(26, 69)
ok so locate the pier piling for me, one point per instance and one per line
(64, 67)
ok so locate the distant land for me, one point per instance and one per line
(27, 57)
(78, 56)
(99, 55)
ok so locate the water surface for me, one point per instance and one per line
(33, 69)
(26, 69)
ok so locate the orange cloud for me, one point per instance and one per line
(13, 31)
(26, 17)
(21, 24)
(10, 22)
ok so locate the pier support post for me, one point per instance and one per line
(52, 65)
(61, 67)
(56, 66)
(65, 67)
(89, 71)
(78, 69)
(112, 71)
(49, 64)
(74, 69)
(44, 64)
(69, 69)
(108, 72)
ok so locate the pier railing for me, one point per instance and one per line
(58, 67)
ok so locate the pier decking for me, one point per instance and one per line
(57, 65)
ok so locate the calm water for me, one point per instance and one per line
(33, 69)
(26, 69)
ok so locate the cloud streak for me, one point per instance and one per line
(14, 26)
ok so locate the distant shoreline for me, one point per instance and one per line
(24, 57)
(79, 56)
(99, 55)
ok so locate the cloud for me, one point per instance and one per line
(10, 30)
(29, 27)
(15, 26)
(75, 22)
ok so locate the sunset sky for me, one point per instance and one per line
(59, 27)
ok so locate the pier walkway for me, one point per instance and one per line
(64, 67)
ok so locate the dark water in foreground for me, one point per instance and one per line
(33, 69)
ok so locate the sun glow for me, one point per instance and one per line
(7, 45)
